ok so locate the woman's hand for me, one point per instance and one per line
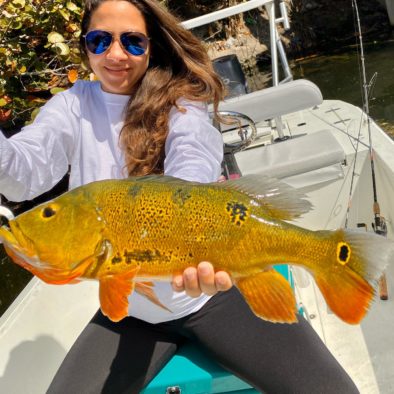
(202, 279)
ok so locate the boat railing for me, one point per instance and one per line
(276, 46)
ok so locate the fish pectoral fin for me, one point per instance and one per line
(146, 290)
(347, 294)
(113, 293)
(270, 296)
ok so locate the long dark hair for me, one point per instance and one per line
(179, 68)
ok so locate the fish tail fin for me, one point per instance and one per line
(348, 285)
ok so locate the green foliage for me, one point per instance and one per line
(39, 55)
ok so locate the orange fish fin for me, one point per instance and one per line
(348, 285)
(347, 294)
(146, 290)
(270, 296)
(113, 293)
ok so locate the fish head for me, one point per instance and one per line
(57, 240)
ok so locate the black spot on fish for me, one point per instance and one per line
(343, 253)
(134, 190)
(143, 256)
(238, 212)
(180, 196)
(116, 260)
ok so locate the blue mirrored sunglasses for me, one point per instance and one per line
(98, 41)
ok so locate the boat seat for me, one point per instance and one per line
(275, 101)
(190, 371)
(296, 158)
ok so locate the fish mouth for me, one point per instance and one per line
(23, 252)
(19, 246)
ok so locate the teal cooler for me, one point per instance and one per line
(190, 371)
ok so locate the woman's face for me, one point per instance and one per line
(117, 70)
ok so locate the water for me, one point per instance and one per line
(338, 77)
(13, 279)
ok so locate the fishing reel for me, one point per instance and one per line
(5, 216)
(380, 226)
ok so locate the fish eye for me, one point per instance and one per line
(48, 212)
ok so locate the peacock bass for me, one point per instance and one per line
(128, 233)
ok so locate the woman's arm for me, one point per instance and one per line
(194, 148)
(36, 159)
(194, 151)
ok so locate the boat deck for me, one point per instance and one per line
(44, 321)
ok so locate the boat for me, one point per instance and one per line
(330, 150)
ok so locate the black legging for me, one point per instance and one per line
(123, 357)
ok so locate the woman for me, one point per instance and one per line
(155, 79)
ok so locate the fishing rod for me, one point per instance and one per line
(379, 225)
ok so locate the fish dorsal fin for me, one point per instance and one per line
(279, 200)
(156, 178)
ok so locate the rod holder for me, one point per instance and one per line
(284, 16)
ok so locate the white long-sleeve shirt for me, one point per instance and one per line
(80, 128)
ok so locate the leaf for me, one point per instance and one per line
(5, 114)
(61, 49)
(7, 99)
(56, 90)
(54, 37)
(3, 102)
(54, 81)
(72, 27)
(65, 14)
(72, 75)
(34, 113)
(19, 3)
(16, 24)
(33, 101)
(71, 6)
(7, 14)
